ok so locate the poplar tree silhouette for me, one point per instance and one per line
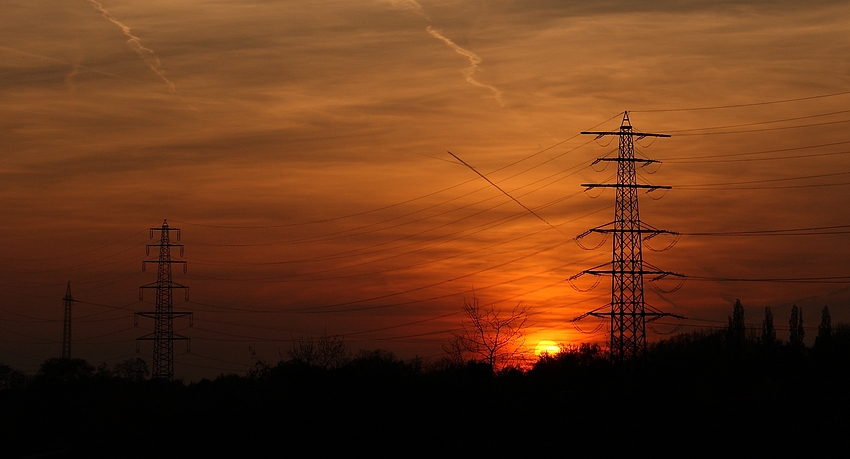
(768, 332)
(737, 330)
(795, 324)
(824, 338)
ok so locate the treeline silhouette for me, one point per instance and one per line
(731, 391)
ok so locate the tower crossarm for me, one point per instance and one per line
(625, 130)
(154, 285)
(630, 160)
(639, 231)
(590, 186)
(590, 313)
(165, 228)
(174, 315)
(650, 316)
(150, 337)
(611, 272)
(642, 229)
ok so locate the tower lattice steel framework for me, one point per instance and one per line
(163, 335)
(66, 329)
(628, 311)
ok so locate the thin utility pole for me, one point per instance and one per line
(66, 329)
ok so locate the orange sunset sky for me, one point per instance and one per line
(301, 147)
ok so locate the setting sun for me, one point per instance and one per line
(546, 347)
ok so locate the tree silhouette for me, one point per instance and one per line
(490, 335)
(325, 352)
(57, 370)
(824, 338)
(737, 330)
(133, 369)
(795, 324)
(10, 379)
(768, 332)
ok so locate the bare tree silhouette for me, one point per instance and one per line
(490, 335)
(325, 351)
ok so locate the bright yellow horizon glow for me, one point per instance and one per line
(546, 347)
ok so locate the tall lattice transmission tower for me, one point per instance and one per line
(163, 336)
(628, 311)
(68, 300)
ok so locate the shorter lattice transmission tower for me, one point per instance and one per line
(628, 312)
(163, 336)
(68, 300)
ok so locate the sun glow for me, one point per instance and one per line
(546, 347)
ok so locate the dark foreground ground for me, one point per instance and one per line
(693, 395)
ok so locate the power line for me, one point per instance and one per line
(75, 254)
(753, 104)
(793, 280)
(758, 123)
(807, 231)
(776, 158)
(826, 123)
(505, 192)
(749, 182)
(408, 201)
(459, 235)
(435, 284)
(762, 152)
(360, 251)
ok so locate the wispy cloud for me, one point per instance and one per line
(474, 59)
(411, 5)
(135, 44)
(77, 66)
(76, 69)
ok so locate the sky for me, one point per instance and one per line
(302, 150)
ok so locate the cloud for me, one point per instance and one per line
(135, 44)
(474, 60)
(411, 5)
(69, 78)
(76, 66)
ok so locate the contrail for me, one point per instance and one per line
(506, 193)
(135, 44)
(474, 60)
(414, 6)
